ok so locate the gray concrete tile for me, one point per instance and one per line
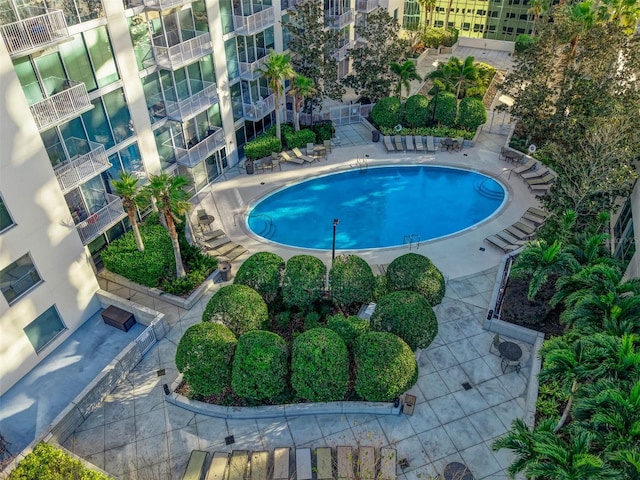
(471, 401)
(487, 424)
(117, 408)
(87, 442)
(480, 300)
(330, 424)
(494, 392)
(441, 357)
(413, 451)
(453, 309)
(152, 450)
(450, 333)
(96, 459)
(424, 364)
(245, 434)
(358, 419)
(275, 432)
(436, 443)
(484, 282)
(120, 433)
(480, 460)
(462, 288)
(514, 382)
(304, 429)
(432, 386)
(181, 441)
(423, 418)
(396, 428)
(478, 371)
(96, 419)
(471, 327)
(151, 400)
(120, 460)
(422, 473)
(150, 424)
(508, 411)
(454, 377)
(369, 434)
(211, 431)
(345, 437)
(156, 471)
(462, 433)
(177, 417)
(446, 408)
(481, 342)
(504, 456)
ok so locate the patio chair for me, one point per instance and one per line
(529, 165)
(296, 151)
(310, 149)
(546, 179)
(495, 344)
(288, 158)
(275, 160)
(524, 228)
(419, 143)
(397, 141)
(502, 244)
(536, 173)
(431, 147)
(388, 144)
(535, 216)
(409, 142)
(327, 145)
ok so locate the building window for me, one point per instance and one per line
(623, 234)
(44, 329)
(481, 12)
(5, 218)
(18, 278)
(466, 26)
(438, 23)
(494, 14)
(478, 27)
(519, 31)
(524, 16)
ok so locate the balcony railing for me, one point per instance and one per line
(81, 168)
(340, 21)
(250, 24)
(159, 4)
(288, 4)
(197, 152)
(256, 111)
(251, 70)
(342, 52)
(366, 6)
(100, 220)
(35, 33)
(183, 53)
(182, 110)
(61, 106)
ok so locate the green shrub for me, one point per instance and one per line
(408, 315)
(311, 320)
(381, 288)
(446, 108)
(351, 281)
(349, 328)
(283, 319)
(387, 112)
(303, 282)
(262, 146)
(324, 130)
(204, 356)
(385, 366)
(319, 366)
(260, 367)
(434, 132)
(417, 273)
(47, 462)
(524, 42)
(416, 111)
(238, 307)
(299, 139)
(471, 113)
(263, 272)
(435, 37)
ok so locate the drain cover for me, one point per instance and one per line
(467, 386)
(229, 440)
(161, 372)
(481, 249)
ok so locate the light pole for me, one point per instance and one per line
(333, 248)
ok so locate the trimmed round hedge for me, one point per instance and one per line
(319, 366)
(263, 272)
(349, 328)
(416, 111)
(204, 356)
(260, 366)
(385, 366)
(471, 113)
(303, 282)
(238, 307)
(408, 315)
(416, 273)
(387, 112)
(446, 108)
(351, 280)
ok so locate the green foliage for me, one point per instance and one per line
(349, 328)
(524, 42)
(283, 319)
(408, 315)
(442, 132)
(446, 108)
(324, 130)
(303, 282)
(471, 113)
(416, 273)
(311, 320)
(299, 139)
(204, 356)
(387, 112)
(260, 367)
(550, 396)
(385, 366)
(436, 37)
(238, 307)
(351, 281)
(263, 272)
(416, 111)
(319, 366)
(47, 462)
(381, 288)
(262, 146)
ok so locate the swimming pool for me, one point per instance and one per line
(377, 207)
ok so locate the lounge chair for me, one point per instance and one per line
(409, 141)
(546, 179)
(431, 146)
(296, 151)
(503, 245)
(520, 230)
(288, 158)
(531, 163)
(540, 190)
(508, 237)
(419, 143)
(388, 144)
(535, 216)
(536, 173)
(397, 141)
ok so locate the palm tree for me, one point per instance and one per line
(613, 313)
(464, 72)
(171, 200)
(625, 13)
(127, 189)
(301, 88)
(405, 73)
(581, 19)
(427, 6)
(277, 68)
(523, 441)
(538, 8)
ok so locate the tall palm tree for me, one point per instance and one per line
(625, 13)
(126, 187)
(613, 313)
(405, 72)
(301, 88)
(464, 71)
(276, 69)
(171, 200)
(581, 18)
(538, 8)
(427, 6)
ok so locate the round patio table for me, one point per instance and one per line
(511, 351)
(457, 471)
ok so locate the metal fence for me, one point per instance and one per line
(499, 122)
(339, 115)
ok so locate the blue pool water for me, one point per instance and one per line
(376, 207)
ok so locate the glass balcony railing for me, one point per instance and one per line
(183, 53)
(339, 21)
(256, 111)
(82, 166)
(251, 24)
(182, 110)
(366, 6)
(68, 100)
(195, 152)
(342, 52)
(99, 221)
(35, 33)
(251, 70)
(158, 4)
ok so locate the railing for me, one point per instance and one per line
(288, 4)
(102, 219)
(251, 70)
(159, 4)
(82, 168)
(339, 115)
(181, 54)
(62, 106)
(412, 240)
(182, 110)
(250, 24)
(340, 21)
(256, 111)
(194, 154)
(146, 339)
(343, 51)
(35, 33)
(365, 6)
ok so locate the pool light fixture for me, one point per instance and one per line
(333, 248)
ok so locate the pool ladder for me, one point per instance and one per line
(269, 226)
(361, 163)
(412, 240)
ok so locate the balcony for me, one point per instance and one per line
(251, 70)
(256, 111)
(82, 166)
(342, 52)
(366, 6)
(195, 153)
(159, 4)
(100, 220)
(35, 33)
(68, 100)
(288, 5)
(255, 23)
(181, 53)
(338, 22)
(182, 110)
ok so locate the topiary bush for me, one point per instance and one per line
(260, 366)
(303, 282)
(446, 108)
(324, 130)
(387, 112)
(263, 272)
(416, 111)
(351, 281)
(471, 113)
(262, 146)
(238, 307)
(385, 366)
(299, 139)
(204, 357)
(416, 273)
(408, 315)
(349, 328)
(319, 366)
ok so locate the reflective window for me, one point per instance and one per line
(44, 328)
(18, 278)
(118, 114)
(5, 218)
(77, 63)
(104, 65)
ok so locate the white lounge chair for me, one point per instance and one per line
(388, 144)
(419, 143)
(431, 146)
